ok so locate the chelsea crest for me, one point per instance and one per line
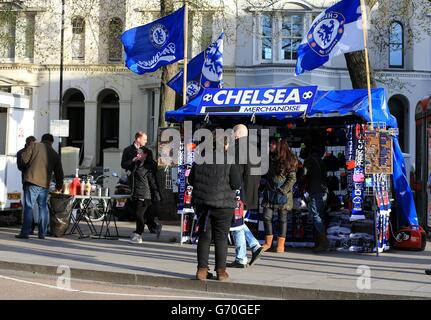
(326, 32)
(158, 35)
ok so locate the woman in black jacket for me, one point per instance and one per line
(144, 191)
(214, 192)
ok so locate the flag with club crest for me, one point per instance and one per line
(335, 31)
(159, 43)
(203, 71)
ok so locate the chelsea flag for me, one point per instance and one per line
(335, 31)
(203, 71)
(156, 44)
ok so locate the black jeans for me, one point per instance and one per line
(141, 209)
(282, 221)
(213, 223)
(151, 219)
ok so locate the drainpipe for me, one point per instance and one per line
(60, 96)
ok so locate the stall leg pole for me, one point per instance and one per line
(181, 227)
(192, 229)
(376, 231)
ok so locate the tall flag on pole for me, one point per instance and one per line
(204, 71)
(335, 31)
(156, 44)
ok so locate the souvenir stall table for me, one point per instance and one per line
(365, 164)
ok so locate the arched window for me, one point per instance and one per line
(396, 45)
(115, 47)
(398, 107)
(78, 38)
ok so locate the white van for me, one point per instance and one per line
(16, 124)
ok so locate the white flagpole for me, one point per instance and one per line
(367, 66)
(185, 52)
(186, 24)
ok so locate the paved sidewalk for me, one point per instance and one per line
(296, 274)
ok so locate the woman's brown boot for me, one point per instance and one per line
(203, 274)
(268, 243)
(222, 275)
(280, 245)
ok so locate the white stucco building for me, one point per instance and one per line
(106, 104)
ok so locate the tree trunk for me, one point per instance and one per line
(166, 209)
(356, 63)
(167, 95)
(357, 70)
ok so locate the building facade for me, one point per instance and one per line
(106, 104)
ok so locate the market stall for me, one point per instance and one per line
(343, 118)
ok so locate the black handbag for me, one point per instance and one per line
(273, 196)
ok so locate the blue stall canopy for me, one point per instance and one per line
(334, 104)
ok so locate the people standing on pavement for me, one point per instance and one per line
(144, 192)
(22, 167)
(151, 218)
(214, 195)
(250, 196)
(41, 160)
(129, 160)
(278, 196)
(316, 193)
(428, 271)
(130, 154)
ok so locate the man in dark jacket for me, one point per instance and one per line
(214, 192)
(131, 156)
(41, 160)
(250, 196)
(145, 191)
(22, 167)
(315, 175)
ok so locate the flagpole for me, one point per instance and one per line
(186, 24)
(367, 66)
(185, 52)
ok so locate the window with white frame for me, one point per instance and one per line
(115, 48)
(280, 36)
(292, 30)
(29, 36)
(267, 23)
(207, 29)
(78, 38)
(152, 121)
(7, 34)
(396, 45)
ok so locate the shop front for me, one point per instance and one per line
(368, 190)
(422, 183)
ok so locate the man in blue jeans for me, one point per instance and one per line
(428, 271)
(249, 195)
(315, 172)
(243, 237)
(40, 160)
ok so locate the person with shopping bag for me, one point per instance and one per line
(278, 196)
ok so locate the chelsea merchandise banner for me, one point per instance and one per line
(156, 44)
(291, 100)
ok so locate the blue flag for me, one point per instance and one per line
(156, 44)
(203, 71)
(335, 31)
